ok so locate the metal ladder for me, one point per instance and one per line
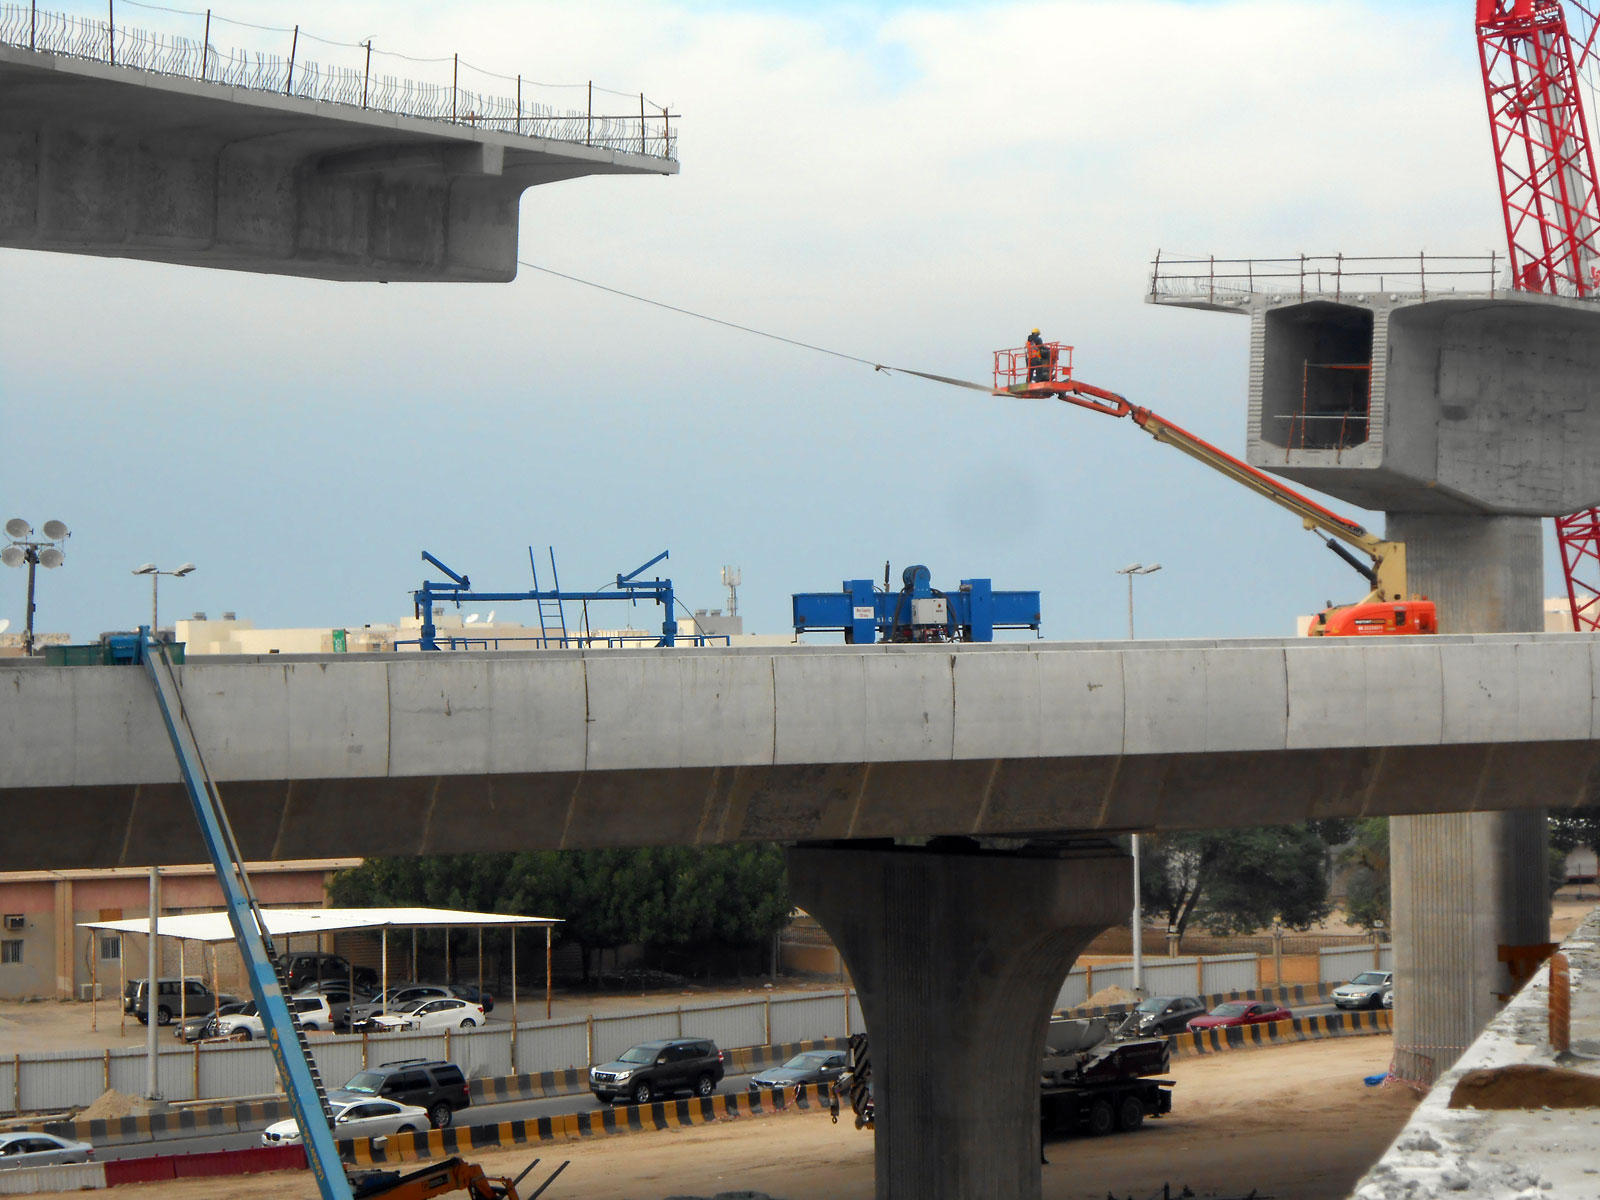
(548, 607)
(268, 986)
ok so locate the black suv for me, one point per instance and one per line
(651, 1069)
(313, 966)
(437, 1086)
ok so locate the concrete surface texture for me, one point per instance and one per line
(1542, 1143)
(400, 754)
(96, 159)
(1477, 404)
(1464, 884)
(957, 956)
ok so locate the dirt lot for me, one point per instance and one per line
(1295, 1122)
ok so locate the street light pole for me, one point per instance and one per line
(155, 580)
(24, 549)
(1130, 571)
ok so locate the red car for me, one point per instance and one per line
(1240, 1012)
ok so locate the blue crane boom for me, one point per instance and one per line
(289, 1050)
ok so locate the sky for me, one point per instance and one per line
(914, 184)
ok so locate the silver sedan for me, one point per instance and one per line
(41, 1150)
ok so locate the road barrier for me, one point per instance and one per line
(1273, 1033)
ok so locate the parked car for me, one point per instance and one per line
(313, 966)
(1365, 990)
(432, 1084)
(812, 1066)
(1161, 1015)
(470, 993)
(1388, 997)
(355, 1119)
(442, 1012)
(40, 1150)
(313, 1011)
(1241, 1012)
(651, 1069)
(397, 997)
(338, 996)
(189, 996)
(196, 1028)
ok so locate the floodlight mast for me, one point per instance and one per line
(23, 550)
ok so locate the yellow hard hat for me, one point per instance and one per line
(1035, 329)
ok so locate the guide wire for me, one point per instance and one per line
(776, 337)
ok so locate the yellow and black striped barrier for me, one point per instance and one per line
(1274, 1033)
(1292, 993)
(608, 1122)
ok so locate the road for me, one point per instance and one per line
(478, 1114)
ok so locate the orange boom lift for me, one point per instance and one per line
(1387, 609)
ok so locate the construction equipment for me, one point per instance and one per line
(459, 591)
(1387, 609)
(1549, 191)
(918, 612)
(440, 1179)
(1088, 1081)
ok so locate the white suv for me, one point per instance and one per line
(314, 1012)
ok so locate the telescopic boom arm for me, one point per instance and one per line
(1387, 574)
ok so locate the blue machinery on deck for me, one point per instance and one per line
(459, 590)
(918, 612)
(289, 1049)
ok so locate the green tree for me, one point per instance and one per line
(1367, 884)
(1237, 880)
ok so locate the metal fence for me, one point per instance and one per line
(355, 74)
(1235, 280)
(1184, 976)
(1337, 966)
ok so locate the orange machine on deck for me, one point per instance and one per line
(1388, 609)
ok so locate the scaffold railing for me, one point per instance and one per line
(1335, 276)
(348, 73)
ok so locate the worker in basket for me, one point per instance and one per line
(1038, 359)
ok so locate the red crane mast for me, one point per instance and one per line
(1532, 66)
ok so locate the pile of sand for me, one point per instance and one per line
(114, 1104)
(1108, 998)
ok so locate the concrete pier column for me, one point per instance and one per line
(1464, 884)
(958, 955)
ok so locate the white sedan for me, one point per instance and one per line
(355, 1119)
(41, 1150)
(448, 1013)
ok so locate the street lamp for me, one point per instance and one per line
(44, 553)
(155, 579)
(1130, 571)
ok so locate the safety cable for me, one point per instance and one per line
(776, 337)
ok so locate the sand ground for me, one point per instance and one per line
(1295, 1122)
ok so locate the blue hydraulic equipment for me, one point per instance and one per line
(268, 987)
(459, 591)
(918, 612)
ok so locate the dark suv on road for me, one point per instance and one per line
(651, 1069)
(437, 1086)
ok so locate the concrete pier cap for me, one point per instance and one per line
(958, 951)
(1451, 405)
(1466, 417)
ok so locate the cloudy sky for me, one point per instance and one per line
(916, 184)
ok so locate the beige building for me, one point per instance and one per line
(45, 953)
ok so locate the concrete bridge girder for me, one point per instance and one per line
(110, 161)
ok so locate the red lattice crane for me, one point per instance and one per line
(1533, 65)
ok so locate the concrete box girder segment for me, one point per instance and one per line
(1478, 404)
(111, 161)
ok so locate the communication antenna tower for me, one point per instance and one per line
(732, 577)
